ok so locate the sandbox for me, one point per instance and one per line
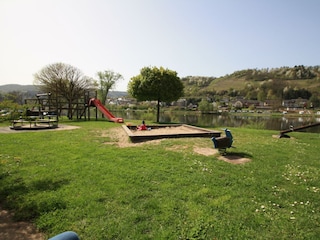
(168, 131)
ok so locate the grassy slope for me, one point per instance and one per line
(225, 83)
(73, 180)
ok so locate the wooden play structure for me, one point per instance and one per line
(83, 106)
(44, 110)
(42, 115)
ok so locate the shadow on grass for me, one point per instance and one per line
(28, 201)
(239, 155)
(48, 184)
(236, 157)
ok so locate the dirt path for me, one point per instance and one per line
(12, 230)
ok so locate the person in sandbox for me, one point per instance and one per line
(142, 126)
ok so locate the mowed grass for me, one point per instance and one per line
(81, 180)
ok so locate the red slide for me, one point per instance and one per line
(104, 110)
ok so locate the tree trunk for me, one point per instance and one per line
(70, 116)
(158, 111)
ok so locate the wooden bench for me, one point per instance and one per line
(222, 143)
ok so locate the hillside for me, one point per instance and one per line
(19, 88)
(254, 81)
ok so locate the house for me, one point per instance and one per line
(295, 104)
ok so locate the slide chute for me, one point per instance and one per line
(97, 103)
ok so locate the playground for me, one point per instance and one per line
(179, 158)
(44, 111)
(114, 179)
(11, 229)
(121, 136)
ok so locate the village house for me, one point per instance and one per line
(295, 104)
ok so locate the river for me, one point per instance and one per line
(259, 121)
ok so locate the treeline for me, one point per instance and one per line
(195, 85)
(284, 73)
(16, 96)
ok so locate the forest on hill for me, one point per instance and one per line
(258, 84)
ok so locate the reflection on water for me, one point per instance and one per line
(226, 120)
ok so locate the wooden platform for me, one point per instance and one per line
(35, 124)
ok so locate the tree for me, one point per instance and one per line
(261, 96)
(314, 101)
(205, 106)
(63, 80)
(107, 80)
(15, 96)
(157, 84)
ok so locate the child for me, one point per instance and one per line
(142, 126)
(69, 235)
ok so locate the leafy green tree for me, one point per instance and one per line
(271, 95)
(205, 106)
(15, 96)
(107, 81)
(1, 97)
(158, 84)
(261, 95)
(12, 107)
(314, 101)
(293, 93)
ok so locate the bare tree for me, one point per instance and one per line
(63, 80)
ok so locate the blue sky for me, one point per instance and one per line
(191, 37)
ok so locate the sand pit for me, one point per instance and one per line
(168, 131)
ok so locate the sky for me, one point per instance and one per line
(192, 37)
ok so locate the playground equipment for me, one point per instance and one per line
(97, 103)
(42, 116)
(293, 129)
(48, 106)
(222, 143)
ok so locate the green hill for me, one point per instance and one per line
(252, 82)
(19, 88)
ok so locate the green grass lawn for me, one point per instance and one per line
(81, 180)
